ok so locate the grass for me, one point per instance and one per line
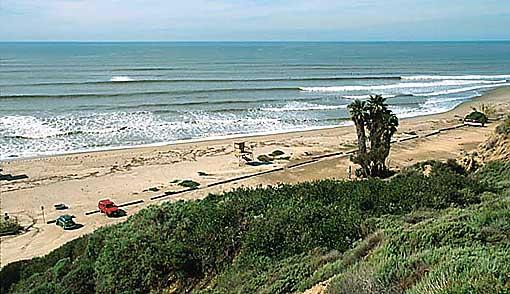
(495, 174)
(504, 127)
(458, 250)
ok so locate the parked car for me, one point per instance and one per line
(109, 208)
(66, 222)
(60, 206)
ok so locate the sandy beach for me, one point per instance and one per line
(80, 180)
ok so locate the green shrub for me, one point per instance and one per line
(265, 275)
(264, 158)
(452, 251)
(265, 235)
(10, 227)
(22, 270)
(495, 174)
(189, 184)
(341, 263)
(477, 116)
(277, 153)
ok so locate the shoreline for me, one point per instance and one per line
(258, 135)
(173, 143)
(131, 175)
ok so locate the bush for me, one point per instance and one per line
(440, 252)
(21, 271)
(10, 227)
(262, 234)
(477, 117)
(277, 153)
(265, 158)
(495, 174)
(189, 184)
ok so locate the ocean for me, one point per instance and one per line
(68, 97)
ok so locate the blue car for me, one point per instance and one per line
(66, 222)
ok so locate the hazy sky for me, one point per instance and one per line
(348, 20)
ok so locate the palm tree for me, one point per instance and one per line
(381, 124)
(357, 111)
(376, 108)
(390, 127)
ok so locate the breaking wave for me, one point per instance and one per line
(459, 90)
(126, 79)
(460, 77)
(399, 86)
(177, 92)
(121, 79)
(302, 106)
(368, 96)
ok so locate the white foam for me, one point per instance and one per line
(43, 134)
(459, 90)
(366, 96)
(405, 112)
(399, 86)
(461, 77)
(26, 127)
(303, 106)
(121, 79)
(439, 101)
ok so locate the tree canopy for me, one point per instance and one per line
(380, 123)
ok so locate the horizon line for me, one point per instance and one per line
(252, 41)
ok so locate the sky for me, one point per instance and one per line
(254, 20)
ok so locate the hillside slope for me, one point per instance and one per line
(497, 147)
(423, 230)
(456, 250)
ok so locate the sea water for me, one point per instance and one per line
(68, 97)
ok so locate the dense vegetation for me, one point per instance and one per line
(456, 250)
(477, 116)
(9, 227)
(410, 229)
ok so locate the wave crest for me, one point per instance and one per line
(459, 90)
(302, 106)
(399, 86)
(460, 77)
(368, 96)
(121, 79)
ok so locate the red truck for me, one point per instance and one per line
(107, 207)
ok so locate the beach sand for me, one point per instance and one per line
(80, 180)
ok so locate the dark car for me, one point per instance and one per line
(66, 222)
(60, 206)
